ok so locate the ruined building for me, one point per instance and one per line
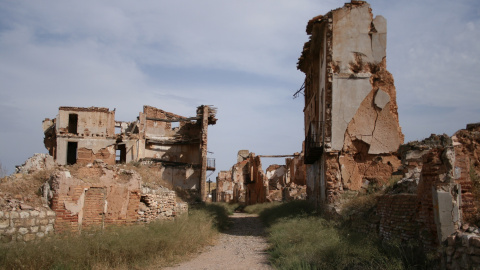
(246, 182)
(351, 120)
(83, 135)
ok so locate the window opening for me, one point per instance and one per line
(72, 123)
(72, 153)
(121, 154)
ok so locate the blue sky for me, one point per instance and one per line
(237, 55)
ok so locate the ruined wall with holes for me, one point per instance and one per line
(296, 170)
(81, 135)
(351, 120)
(94, 197)
(84, 135)
(246, 182)
(256, 189)
(97, 196)
(179, 144)
(225, 187)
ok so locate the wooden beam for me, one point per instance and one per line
(276, 156)
(174, 119)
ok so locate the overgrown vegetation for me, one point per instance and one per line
(160, 243)
(302, 238)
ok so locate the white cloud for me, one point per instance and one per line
(238, 56)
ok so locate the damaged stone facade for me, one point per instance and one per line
(247, 183)
(83, 135)
(351, 122)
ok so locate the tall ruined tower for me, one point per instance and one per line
(351, 120)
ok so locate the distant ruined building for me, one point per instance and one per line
(83, 135)
(351, 121)
(247, 183)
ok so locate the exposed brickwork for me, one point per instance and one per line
(398, 216)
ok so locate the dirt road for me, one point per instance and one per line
(241, 247)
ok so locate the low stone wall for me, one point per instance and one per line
(159, 203)
(26, 225)
(462, 251)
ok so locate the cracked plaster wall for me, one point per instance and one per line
(345, 67)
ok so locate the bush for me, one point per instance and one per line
(162, 243)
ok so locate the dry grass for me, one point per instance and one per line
(132, 247)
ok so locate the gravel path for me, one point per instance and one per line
(241, 247)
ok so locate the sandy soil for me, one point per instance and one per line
(241, 247)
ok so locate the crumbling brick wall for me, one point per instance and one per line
(80, 201)
(424, 204)
(466, 143)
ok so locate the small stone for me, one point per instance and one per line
(25, 207)
(24, 214)
(49, 228)
(40, 234)
(34, 229)
(34, 213)
(23, 230)
(50, 213)
(14, 214)
(29, 237)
